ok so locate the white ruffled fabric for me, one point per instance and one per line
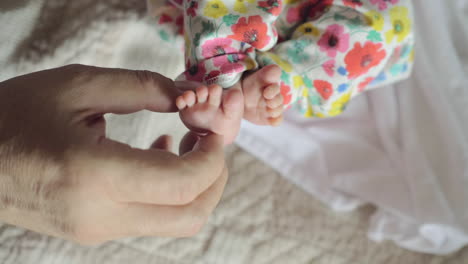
(402, 148)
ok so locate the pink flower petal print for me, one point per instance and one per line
(383, 4)
(217, 47)
(334, 40)
(329, 67)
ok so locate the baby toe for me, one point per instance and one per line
(275, 112)
(271, 73)
(202, 94)
(180, 103)
(275, 121)
(189, 97)
(271, 91)
(275, 102)
(215, 93)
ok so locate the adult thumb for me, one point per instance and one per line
(121, 91)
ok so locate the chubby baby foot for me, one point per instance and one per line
(263, 102)
(209, 109)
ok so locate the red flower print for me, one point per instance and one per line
(286, 93)
(395, 56)
(324, 88)
(352, 3)
(195, 72)
(293, 16)
(363, 85)
(180, 24)
(250, 50)
(228, 64)
(192, 10)
(211, 77)
(361, 58)
(329, 67)
(251, 30)
(333, 40)
(164, 19)
(217, 47)
(231, 68)
(317, 8)
(309, 10)
(271, 6)
(232, 65)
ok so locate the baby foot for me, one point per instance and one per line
(208, 109)
(262, 96)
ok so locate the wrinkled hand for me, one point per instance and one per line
(61, 176)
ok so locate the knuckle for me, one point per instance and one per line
(149, 81)
(146, 81)
(145, 78)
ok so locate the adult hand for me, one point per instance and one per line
(61, 176)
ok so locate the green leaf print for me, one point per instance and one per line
(297, 55)
(230, 19)
(285, 77)
(163, 35)
(196, 39)
(355, 23)
(339, 17)
(307, 81)
(315, 100)
(374, 36)
(208, 27)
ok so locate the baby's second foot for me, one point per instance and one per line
(208, 109)
(262, 96)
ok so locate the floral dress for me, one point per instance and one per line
(329, 50)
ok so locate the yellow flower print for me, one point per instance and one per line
(309, 112)
(401, 24)
(411, 56)
(286, 66)
(241, 7)
(289, 2)
(375, 20)
(215, 9)
(250, 64)
(188, 43)
(339, 105)
(298, 82)
(306, 29)
(313, 113)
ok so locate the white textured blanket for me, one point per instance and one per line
(262, 218)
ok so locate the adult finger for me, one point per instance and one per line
(171, 221)
(155, 176)
(164, 142)
(120, 91)
(188, 142)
